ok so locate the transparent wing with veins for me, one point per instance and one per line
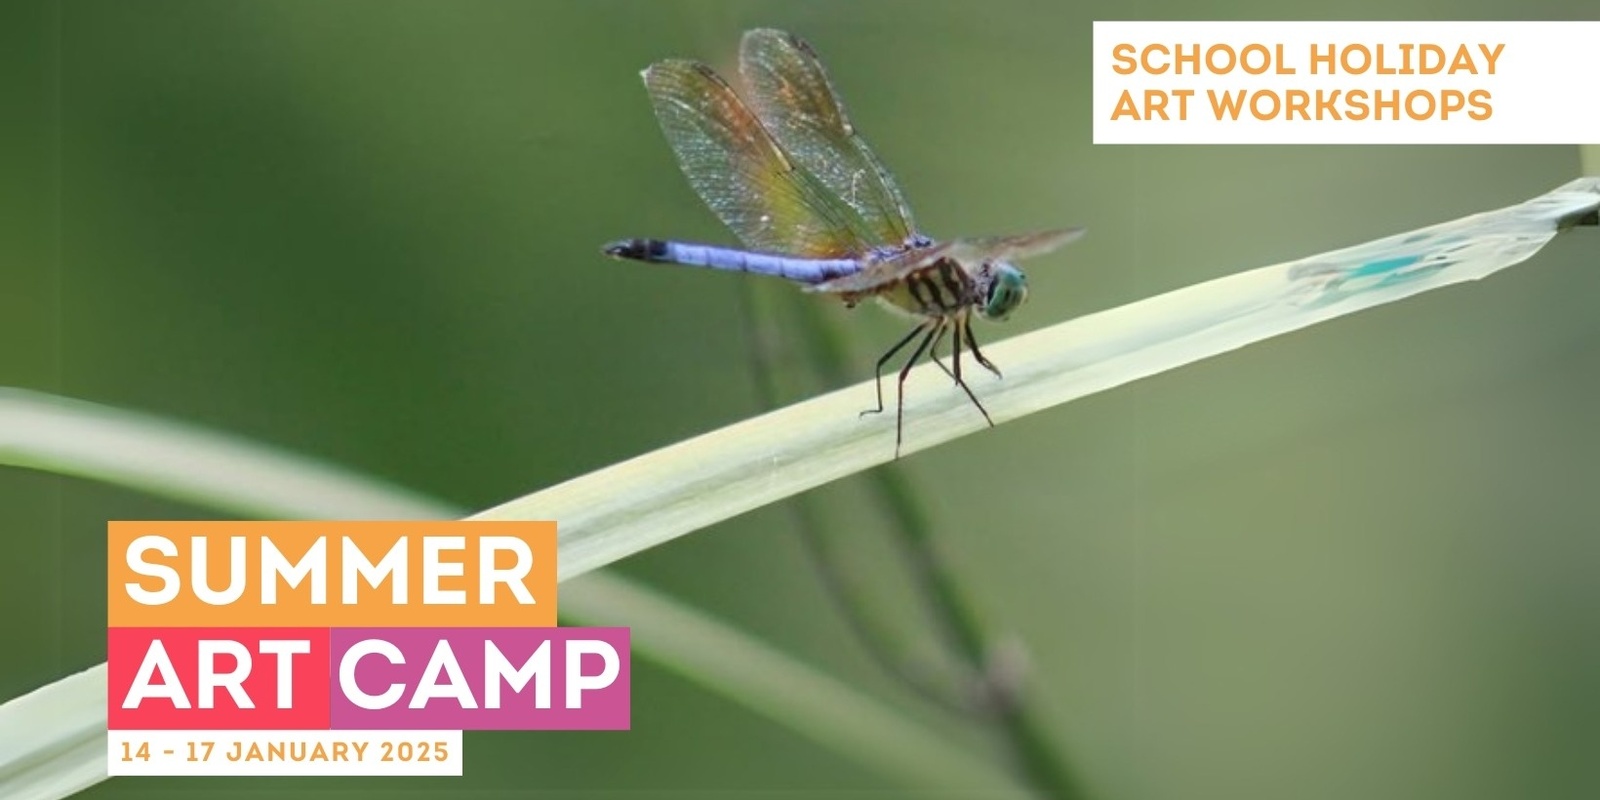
(792, 95)
(771, 202)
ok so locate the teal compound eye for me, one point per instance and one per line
(1008, 291)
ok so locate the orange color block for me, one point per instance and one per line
(331, 574)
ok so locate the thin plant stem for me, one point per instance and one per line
(881, 639)
(997, 690)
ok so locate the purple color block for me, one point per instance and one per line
(604, 708)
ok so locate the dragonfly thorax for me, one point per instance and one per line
(948, 288)
(1002, 288)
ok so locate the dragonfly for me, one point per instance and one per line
(784, 169)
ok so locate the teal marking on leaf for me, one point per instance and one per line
(1384, 265)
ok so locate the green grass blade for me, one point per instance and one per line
(52, 740)
(183, 462)
(621, 510)
(618, 511)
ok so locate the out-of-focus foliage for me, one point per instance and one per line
(1354, 561)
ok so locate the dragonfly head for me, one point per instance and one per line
(1004, 287)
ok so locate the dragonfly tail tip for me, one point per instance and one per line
(636, 249)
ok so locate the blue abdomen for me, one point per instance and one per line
(727, 259)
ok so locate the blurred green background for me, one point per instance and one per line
(1356, 561)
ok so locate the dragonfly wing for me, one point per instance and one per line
(885, 272)
(772, 203)
(967, 251)
(1011, 248)
(791, 93)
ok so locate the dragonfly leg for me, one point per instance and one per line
(933, 351)
(961, 326)
(877, 372)
(900, 387)
(972, 344)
